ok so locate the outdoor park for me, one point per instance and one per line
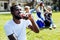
(44, 34)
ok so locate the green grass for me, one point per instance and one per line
(44, 34)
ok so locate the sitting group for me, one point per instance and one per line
(44, 15)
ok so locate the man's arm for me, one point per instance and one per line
(11, 37)
(34, 26)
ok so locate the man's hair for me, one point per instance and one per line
(15, 7)
(12, 8)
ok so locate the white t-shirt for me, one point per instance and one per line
(19, 30)
(40, 9)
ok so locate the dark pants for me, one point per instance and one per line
(47, 23)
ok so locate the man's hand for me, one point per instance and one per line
(24, 16)
(34, 26)
(29, 16)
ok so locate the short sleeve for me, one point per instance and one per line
(28, 22)
(8, 30)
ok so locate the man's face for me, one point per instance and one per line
(17, 12)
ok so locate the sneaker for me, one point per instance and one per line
(50, 28)
(54, 26)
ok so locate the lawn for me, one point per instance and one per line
(44, 34)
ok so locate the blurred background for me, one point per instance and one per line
(5, 4)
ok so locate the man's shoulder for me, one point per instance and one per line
(8, 22)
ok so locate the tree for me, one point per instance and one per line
(56, 3)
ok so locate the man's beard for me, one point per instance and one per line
(17, 17)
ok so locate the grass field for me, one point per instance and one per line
(44, 34)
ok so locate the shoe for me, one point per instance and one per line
(54, 27)
(50, 28)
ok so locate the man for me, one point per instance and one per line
(16, 28)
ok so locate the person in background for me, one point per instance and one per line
(28, 10)
(48, 18)
(40, 15)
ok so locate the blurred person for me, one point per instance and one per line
(39, 10)
(40, 14)
(48, 18)
(57, 8)
(27, 9)
(16, 28)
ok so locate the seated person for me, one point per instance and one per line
(48, 18)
